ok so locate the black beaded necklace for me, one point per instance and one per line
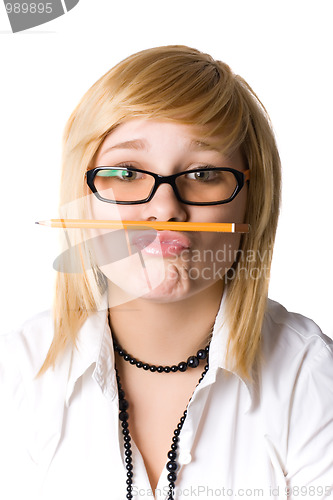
(171, 466)
(192, 361)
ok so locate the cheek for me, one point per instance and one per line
(235, 211)
(101, 210)
(220, 249)
(230, 212)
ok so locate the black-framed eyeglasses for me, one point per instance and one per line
(200, 186)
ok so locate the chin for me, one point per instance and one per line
(172, 286)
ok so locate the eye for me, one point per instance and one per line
(121, 174)
(128, 175)
(202, 175)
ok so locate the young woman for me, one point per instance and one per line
(166, 371)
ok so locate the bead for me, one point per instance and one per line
(192, 362)
(127, 357)
(127, 446)
(120, 352)
(172, 466)
(123, 415)
(145, 366)
(128, 460)
(127, 438)
(128, 481)
(124, 425)
(129, 474)
(201, 354)
(175, 439)
(153, 368)
(121, 394)
(123, 404)
(129, 496)
(160, 369)
(172, 476)
(129, 466)
(139, 364)
(128, 453)
(174, 446)
(174, 368)
(176, 432)
(133, 361)
(167, 369)
(182, 366)
(172, 455)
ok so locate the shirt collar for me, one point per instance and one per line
(94, 346)
(218, 350)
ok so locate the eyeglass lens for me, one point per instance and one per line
(200, 186)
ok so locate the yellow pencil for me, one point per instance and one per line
(220, 227)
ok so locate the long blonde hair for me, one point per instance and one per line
(181, 84)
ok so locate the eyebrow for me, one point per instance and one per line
(139, 144)
(135, 144)
(201, 145)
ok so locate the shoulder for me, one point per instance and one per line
(22, 352)
(296, 387)
(24, 349)
(297, 360)
(288, 334)
(41, 322)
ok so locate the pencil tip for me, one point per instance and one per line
(36, 222)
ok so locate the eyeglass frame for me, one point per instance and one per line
(241, 178)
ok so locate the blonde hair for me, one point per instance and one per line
(184, 85)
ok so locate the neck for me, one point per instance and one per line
(166, 333)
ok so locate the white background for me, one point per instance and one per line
(282, 48)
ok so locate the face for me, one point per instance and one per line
(177, 264)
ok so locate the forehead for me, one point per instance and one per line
(143, 134)
(165, 143)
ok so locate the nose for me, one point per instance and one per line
(164, 206)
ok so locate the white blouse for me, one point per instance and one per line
(272, 438)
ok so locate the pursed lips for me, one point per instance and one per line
(165, 243)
